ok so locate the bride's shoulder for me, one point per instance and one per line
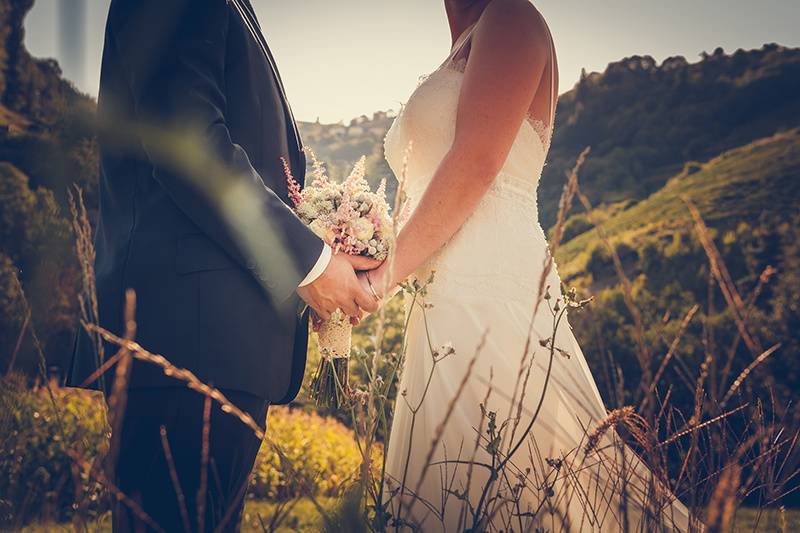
(512, 25)
(513, 18)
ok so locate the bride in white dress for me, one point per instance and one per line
(480, 129)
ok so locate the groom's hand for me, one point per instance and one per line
(338, 288)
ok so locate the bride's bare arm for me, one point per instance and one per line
(507, 58)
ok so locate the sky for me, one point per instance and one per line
(343, 58)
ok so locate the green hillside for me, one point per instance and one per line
(738, 185)
(749, 198)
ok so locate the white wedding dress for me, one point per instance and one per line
(481, 302)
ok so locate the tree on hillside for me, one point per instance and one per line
(35, 246)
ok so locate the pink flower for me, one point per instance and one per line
(294, 187)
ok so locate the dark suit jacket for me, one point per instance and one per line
(204, 300)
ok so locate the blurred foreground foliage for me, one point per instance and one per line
(38, 479)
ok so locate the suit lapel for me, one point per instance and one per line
(248, 17)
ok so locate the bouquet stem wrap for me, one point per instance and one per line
(330, 384)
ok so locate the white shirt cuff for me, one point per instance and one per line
(319, 266)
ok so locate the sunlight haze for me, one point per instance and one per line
(342, 59)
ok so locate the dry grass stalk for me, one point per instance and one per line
(233, 507)
(763, 279)
(643, 352)
(670, 353)
(722, 506)
(693, 427)
(564, 205)
(103, 368)
(282, 510)
(450, 408)
(565, 201)
(181, 374)
(526, 366)
(613, 419)
(85, 252)
(476, 447)
(557, 317)
(41, 359)
(746, 372)
(118, 398)
(202, 490)
(194, 383)
(18, 345)
(176, 484)
(418, 294)
(723, 277)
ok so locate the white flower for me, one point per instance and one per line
(363, 229)
(444, 350)
(306, 211)
(322, 230)
(325, 206)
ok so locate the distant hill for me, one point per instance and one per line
(643, 120)
(340, 145)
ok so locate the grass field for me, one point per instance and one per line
(304, 518)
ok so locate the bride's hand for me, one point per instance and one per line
(372, 282)
(377, 283)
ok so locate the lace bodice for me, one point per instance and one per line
(427, 122)
(506, 221)
(426, 127)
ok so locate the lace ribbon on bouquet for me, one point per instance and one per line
(329, 386)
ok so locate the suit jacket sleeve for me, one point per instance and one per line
(174, 54)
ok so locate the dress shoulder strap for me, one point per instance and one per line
(461, 44)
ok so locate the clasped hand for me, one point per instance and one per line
(339, 287)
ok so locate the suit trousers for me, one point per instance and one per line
(208, 499)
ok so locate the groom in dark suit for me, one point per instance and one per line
(207, 299)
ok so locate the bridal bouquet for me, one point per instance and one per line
(352, 219)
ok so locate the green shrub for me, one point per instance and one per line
(322, 453)
(37, 479)
(36, 473)
(599, 264)
(575, 225)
